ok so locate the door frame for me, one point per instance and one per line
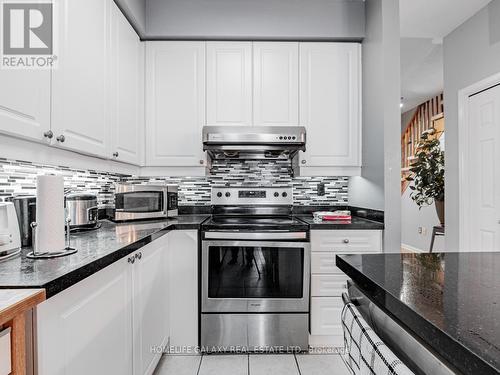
(463, 154)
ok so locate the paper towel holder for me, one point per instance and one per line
(68, 250)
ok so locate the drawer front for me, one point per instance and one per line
(328, 285)
(324, 263)
(346, 241)
(326, 316)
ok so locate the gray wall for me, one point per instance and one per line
(135, 11)
(471, 53)
(379, 186)
(255, 19)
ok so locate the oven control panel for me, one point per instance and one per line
(252, 195)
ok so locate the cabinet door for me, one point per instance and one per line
(149, 305)
(229, 83)
(183, 272)
(330, 103)
(127, 91)
(276, 83)
(25, 103)
(326, 315)
(80, 97)
(86, 329)
(175, 103)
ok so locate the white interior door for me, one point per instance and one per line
(484, 174)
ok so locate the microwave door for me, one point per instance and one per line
(140, 202)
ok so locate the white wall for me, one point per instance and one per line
(471, 53)
(412, 218)
(379, 185)
(255, 19)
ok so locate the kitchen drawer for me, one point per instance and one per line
(346, 241)
(328, 285)
(322, 263)
(326, 316)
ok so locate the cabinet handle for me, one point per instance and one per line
(303, 161)
(48, 134)
(131, 260)
(138, 256)
(115, 154)
(346, 240)
(61, 138)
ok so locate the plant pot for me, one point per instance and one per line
(440, 211)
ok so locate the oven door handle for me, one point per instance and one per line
(255, 235)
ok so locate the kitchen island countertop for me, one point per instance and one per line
(96, 249)
(450, 301)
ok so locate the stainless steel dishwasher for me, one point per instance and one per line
(404, 345)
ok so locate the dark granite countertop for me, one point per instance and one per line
(96, 250)
(451, 301)
(356, 223)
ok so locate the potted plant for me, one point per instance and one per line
(427, 174)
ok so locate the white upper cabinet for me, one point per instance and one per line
(127, 91)
(229, 83)
(330, 104)
(80, 97)
(25, 103)
(275, 83)
(175, 103)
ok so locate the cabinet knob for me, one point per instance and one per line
(115, 154)
(346, 240)
(303, 161)
(202, 162)
(61, 138)
(48, 134)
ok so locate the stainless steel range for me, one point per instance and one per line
(255, 272)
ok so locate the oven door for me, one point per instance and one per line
(140, 204)
(255, 276)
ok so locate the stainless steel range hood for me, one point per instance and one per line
(254, 142)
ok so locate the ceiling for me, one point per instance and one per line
(424, 24)
(435, 18)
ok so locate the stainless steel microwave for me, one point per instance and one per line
(134, 202)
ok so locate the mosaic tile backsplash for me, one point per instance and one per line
(19, 177)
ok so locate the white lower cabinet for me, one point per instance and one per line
(112, 321)
(183, 288)
(149, 305)
(328, 282)
(87, 328)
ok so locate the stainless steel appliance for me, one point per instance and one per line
(255, 272)
(26, 214)
(403, 344)
(10, 239)
(82, 210)
(133, 202)
(253, 142)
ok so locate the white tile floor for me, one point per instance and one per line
(253, 364)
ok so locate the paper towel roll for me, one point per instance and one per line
(50, 213)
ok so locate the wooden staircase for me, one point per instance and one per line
(429, 115)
